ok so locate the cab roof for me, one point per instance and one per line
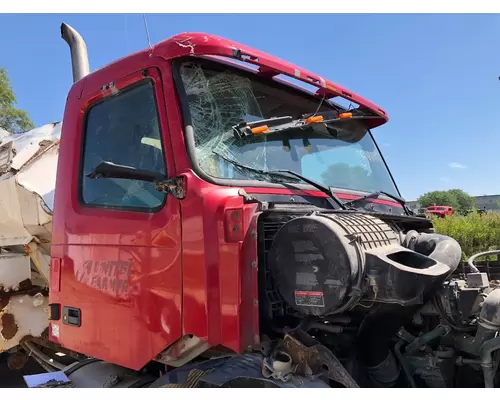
(193, 44)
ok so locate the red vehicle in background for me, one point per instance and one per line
(440, 211)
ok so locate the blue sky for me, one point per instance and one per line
(436, 76)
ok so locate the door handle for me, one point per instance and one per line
(72, 316)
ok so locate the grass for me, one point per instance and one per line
(475, 233)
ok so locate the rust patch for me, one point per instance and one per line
(9, 326)
(24, 287)
(3, 302)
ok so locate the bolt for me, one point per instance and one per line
(254, 264)
(256, 302)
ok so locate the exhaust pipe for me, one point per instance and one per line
(78, 48)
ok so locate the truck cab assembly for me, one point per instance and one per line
(198, 220)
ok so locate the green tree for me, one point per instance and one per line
(12, 119)
(465, 201)
(455, 198)
(438, 198)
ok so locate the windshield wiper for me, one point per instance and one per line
(317, 185)
(374, 195)
(280, 124)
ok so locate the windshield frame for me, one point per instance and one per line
(281, 85)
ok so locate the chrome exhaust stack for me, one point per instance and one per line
(78, 48)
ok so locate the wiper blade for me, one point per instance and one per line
(246, 167)
(317, 185)
(282, 172)
(374, 195)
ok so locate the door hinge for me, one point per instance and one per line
(174, 187)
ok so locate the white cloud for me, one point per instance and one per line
(456, 165)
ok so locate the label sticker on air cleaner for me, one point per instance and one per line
(309, 299)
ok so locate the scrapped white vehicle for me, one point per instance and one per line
(28, 164)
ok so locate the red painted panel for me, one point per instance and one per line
(219, 279)
(342, 196)
(55, 274)
(122, 269)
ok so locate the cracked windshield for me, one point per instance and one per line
(220, 97)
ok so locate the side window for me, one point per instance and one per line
(123, 129)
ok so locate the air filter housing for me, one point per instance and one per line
(316, 260)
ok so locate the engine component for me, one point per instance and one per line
(435, 369)
(487, 364)
(422, 340)
(386, 373)
(278, 366)
(487, 327)
(490, 312)
(325, 263)
(243, 371)
(313, 359)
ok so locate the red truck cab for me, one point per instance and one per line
(164, 269)
(440, 211)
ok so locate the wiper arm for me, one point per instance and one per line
(317, 185)
(374, 195)
(107, 169)
(281, 124)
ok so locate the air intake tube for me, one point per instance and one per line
(78, 48)
(383, 323)
(438, 247)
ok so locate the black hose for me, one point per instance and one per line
(441, 330)
(404, 365)
(324, 327)
(489, 367)
(339, 319)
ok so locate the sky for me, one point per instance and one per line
(435, 75)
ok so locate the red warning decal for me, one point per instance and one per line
(309, 299)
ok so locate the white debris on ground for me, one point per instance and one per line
(28, 167)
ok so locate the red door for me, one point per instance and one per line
(116, 242)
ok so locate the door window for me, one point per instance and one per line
(124, 129)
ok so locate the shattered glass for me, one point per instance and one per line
(219, 99)
(217, 102)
